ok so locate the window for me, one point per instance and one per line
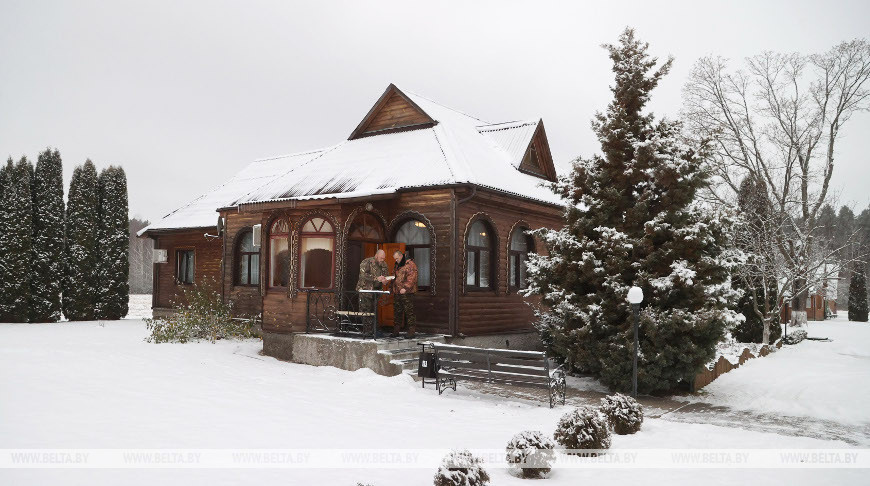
(418, 246)
(279, 253)
(478, 248)
(184, 266)
(521, 245)
(366, 227)
(247, 260)
(316, 254)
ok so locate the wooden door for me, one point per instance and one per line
(385, 305)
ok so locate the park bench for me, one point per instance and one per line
(523, 368)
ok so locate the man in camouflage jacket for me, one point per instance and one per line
(372, 276)
(404, 287)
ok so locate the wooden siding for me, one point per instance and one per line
(207, 259)
(247, 301)
(395, 113)
(500, 310)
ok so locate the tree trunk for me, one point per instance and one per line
(798, 318)
(765, 331)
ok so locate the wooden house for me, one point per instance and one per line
(456, 192)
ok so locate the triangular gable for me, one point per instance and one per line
(538, 160)
(394, 111)
(525, 143)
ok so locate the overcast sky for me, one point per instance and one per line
(183, 94)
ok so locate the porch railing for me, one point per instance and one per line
(348, 313)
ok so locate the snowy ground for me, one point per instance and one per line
(86, 385)
(824, 380)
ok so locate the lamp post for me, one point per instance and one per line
(635, 297)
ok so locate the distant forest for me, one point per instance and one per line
(141, 267)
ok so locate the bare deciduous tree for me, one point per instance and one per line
(777, 121)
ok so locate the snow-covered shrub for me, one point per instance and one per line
(203, 315)
(583, 428)
(532, 452)
(461, 468)
(795, 337)
(623, 413)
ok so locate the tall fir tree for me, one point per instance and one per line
(630, 220)
(46, 283)
(114, 261)
(81, 252)
(858, 294)
(16, 237)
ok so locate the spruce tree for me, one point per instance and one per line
(858, 294)
(81, 257)
(48, 238)
(114, 266)
(630, 220)
(16, 232)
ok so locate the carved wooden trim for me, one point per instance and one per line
(433, 263)
(496, 246)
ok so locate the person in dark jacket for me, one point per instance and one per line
(404, 288)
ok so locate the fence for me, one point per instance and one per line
(722, 366)
(348, 313)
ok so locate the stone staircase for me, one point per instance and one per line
(402, 354)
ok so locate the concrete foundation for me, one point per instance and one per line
(162, 312)
(344, 353)
(526, 341)
(384, 356)
(278, 345)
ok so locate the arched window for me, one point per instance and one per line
(521, 245)
(418, 245)
(366, 227)
(279, 253)
(317, 254)
(478, 257)
(247, 260)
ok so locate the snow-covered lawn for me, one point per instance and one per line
(825, 380)
(86, 385)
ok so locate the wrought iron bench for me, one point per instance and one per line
(524, 368)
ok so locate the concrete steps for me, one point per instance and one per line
(404, 353)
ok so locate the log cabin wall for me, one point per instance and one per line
(247, 301)
(283, 308)
(500, 310)
(433, 208)
(206, 262)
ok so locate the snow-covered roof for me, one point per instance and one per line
(201, 212)
(513, 137)
(457, 149)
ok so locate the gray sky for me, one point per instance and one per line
(183, 94)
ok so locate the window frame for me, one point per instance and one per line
(410, 248)
(273, 237)
(365, 217)
(493, 257)
(518, 257)
(309, 234)
(238, 255)
(192, 252)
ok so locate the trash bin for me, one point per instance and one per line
(426, 366)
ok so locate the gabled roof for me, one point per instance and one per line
(417, 143)
(392, 112)
(513, 137)
(201, 212)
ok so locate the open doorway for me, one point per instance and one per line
(365, 238)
